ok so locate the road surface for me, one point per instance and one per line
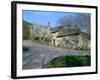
(38, 54)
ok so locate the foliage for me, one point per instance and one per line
(35, 32)
(40, 33)
(70, 61)
(26, 30)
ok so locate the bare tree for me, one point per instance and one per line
(68, 21)
(81, 20)
(84, 21)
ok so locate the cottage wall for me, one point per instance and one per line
(54, 38)
(71, 42)
(84, 43)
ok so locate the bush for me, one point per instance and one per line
(69, 61)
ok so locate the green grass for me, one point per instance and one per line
(70, 61)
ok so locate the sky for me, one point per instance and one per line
(43, 17)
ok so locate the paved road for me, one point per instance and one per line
(39, 54)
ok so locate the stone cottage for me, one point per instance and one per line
(61, 36)
(71, 38)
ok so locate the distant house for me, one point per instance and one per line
(71, 38)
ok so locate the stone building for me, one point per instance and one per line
(61, 36)
(71, 38)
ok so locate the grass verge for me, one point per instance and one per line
(70, 61)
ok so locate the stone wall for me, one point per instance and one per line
(72, 42)
(84, 42)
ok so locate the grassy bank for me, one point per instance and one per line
(70, 61)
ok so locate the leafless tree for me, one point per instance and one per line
(81, 20)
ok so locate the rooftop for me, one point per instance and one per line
(64, 31)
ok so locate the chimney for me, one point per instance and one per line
(49, 25)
